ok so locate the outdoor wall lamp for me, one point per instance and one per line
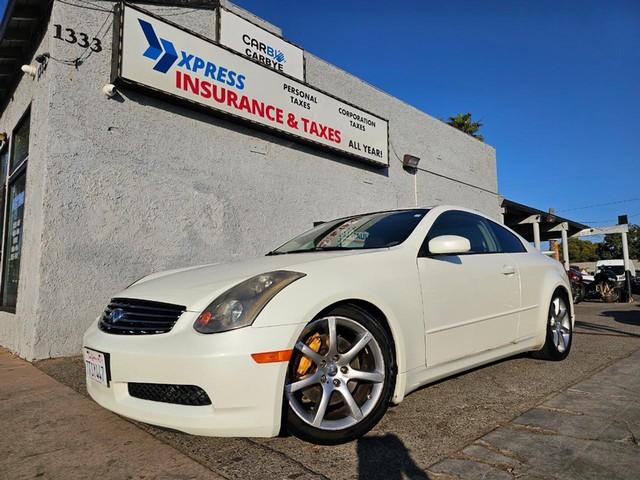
(29, 70)
(109, 90)
(409, 161)
(3, 137)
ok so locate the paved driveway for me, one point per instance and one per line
(432, 425)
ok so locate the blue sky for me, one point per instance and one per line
(556, 83)
(3, 6)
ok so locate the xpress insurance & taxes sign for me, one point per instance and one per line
(165, 58)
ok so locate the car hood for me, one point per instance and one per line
(196, 287)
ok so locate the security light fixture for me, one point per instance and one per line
(409, 161)
(109, 90)
(3, 137)
(29, 70)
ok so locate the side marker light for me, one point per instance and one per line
(272, 357)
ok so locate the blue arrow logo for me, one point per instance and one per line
(156, 47)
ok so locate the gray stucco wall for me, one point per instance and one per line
(120, 188)
(19, 331)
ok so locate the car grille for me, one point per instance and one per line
(179, 394)
(127, 316)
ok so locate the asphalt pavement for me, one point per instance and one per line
(519, 418)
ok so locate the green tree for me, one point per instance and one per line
(582, 250)
(463, 122)
(611, 247)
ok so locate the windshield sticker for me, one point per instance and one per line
(352, 239)
(333, 238)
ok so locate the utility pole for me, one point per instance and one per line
(553, 244)
(624, 220)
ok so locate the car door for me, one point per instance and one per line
(470, 301)
(531, 272)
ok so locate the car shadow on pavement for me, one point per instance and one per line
(628, 317)
(385, 456)
(603, 329)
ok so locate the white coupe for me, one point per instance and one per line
(321, 334)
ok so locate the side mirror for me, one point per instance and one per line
(449, 245)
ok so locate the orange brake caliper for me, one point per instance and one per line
(314, 342)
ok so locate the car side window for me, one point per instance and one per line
(463, 224)
(508, 242)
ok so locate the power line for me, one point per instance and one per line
(599, 205)
(606, 221)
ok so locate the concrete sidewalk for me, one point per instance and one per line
(49, 431)
(589, 431)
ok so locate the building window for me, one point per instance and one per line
(14, 182)
(4, 169)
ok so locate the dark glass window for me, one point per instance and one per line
(4, 165)
(509, 243)
(13, 242)
(20, 144)
(4, 169)
(463, 224)
(14, 182)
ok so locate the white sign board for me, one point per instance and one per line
(165, 58)
(260, 45)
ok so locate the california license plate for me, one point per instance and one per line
(96, 364)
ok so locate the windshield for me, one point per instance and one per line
(374, 230)
(617, 269)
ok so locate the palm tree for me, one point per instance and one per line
(463, 123)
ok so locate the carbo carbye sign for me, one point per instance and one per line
(260, 45)
(167, 59)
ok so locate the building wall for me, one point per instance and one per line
(18, 331)
(132, 185)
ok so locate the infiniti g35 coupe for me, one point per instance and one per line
(319, 336)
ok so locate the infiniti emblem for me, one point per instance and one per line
(117, 315)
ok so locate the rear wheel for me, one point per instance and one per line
(340, 377)
(578, 292)
(559, 330)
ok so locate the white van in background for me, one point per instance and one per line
(616, 266)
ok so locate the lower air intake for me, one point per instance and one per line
(178, 394)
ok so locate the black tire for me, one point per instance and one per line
(582, 292)
(578, 292)
(335, 395)
(559, 336)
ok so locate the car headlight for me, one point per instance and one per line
(240, 305)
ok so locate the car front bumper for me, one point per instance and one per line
(246, 397)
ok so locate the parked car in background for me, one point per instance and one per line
(322, 334)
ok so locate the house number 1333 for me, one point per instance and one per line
(69, 35)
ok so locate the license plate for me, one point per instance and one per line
(96, 364)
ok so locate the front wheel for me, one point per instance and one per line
(559, 330)
(340, 377)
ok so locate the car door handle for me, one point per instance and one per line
(508, 270)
